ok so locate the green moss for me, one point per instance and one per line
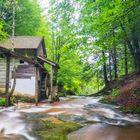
(52, 131)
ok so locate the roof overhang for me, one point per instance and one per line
(23, 42)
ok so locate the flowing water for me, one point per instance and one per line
(99, 121)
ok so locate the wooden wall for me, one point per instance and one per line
(25, 73)
(2, 72)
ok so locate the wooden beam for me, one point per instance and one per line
(20, 57)
(7, 80)
(55, 65)
(36, 85)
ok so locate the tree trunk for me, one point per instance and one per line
(129, 44)
(14, 82)
(104, 69)
(110, 65)
(114, 56)
(125, 59)
(137, 48)
(98, 86)
(115, 62)
(53, 46)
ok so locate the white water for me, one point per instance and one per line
(13, 119)
(12, 122)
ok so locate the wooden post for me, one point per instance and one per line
(46, 86)
(7, 80)
(36, 86)
(51, 82)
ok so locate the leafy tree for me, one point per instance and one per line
(28, 17)
(2, 33)
(93, 41)
(111, 23)
(64, 51)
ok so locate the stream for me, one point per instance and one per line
(99, 121)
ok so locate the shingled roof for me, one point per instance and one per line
(23, 42)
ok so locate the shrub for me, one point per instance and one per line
(129, 99)
(110, 99)
(2, 102)
(18, 98)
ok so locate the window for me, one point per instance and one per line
(21, 62)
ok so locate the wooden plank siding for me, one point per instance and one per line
(2, 72)
(25, 71)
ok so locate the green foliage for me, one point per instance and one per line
(64, 49)
(2, 102)
(70, 71)
(6, 14)
(28, 17)
(2, 33)
(115, 93)
(137, 110)
(96, 30)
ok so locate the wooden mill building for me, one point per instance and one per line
(27, 59)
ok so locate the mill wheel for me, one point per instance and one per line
(47, 86)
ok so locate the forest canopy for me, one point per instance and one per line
(93, 41)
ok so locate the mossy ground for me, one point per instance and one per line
(51, 128)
